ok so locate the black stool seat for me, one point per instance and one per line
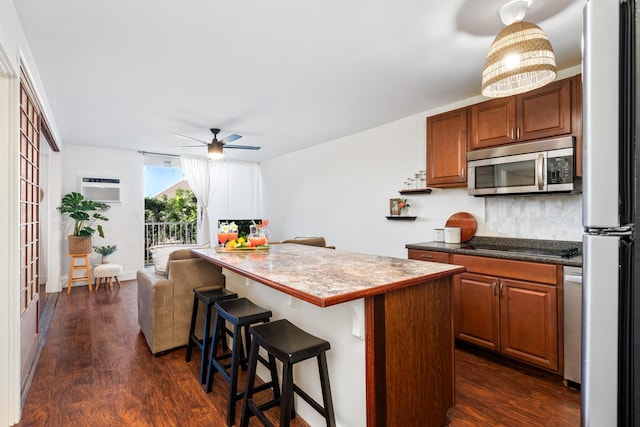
(209, 295)
(290, 345)
(240, 313)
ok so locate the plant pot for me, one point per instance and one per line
(79, 244)
(105, 259)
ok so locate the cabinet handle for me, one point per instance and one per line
(426, 256)
(518, 132)
(512, 130)
(494, 289)
(462, 172)
(501, 293)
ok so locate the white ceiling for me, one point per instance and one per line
(285, 74)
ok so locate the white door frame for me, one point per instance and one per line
(10, 406)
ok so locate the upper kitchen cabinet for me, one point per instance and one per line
(550, 111)
(447, 139)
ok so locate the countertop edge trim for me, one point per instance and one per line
(338, 299)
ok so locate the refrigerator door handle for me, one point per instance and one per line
(623, 230)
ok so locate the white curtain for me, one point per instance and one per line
(235, 190)
(197, 173)
(225, 190)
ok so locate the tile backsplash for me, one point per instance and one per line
(550, 217)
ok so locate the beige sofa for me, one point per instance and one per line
(165, 296)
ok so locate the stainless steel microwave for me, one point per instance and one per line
(545, 166)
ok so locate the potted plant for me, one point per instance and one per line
(105, 251)
(85, 215)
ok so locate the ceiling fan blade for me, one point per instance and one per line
(192, 139)
(242, 147)
(231, 138)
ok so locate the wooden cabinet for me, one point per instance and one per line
(447, 149)
(476, 310)
(529, 322)
(507, 306)
(432, 256)
(510, 307)
(541, 113)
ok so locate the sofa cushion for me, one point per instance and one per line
(161, 256)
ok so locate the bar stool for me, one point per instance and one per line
(209, 295)
(290, 345)
(240, 313)
(75, 267)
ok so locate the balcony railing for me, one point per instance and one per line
(168, 233)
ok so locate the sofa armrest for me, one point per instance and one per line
(187, 274)
(155, 309)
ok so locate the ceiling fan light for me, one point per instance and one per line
(536, 67)
(215, 150)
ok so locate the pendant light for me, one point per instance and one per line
(520, 58)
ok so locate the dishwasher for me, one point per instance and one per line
(572, 284)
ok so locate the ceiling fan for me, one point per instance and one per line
(216, 146)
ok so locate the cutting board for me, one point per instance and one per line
(466, 222)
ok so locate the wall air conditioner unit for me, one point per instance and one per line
(106, 190)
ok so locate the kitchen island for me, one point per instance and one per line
(389, 322)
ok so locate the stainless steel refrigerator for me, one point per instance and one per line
(610, 291)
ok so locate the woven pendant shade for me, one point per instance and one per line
(520, 59)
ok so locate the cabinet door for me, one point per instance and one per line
(476, 311)
(493, 123)
(447, 149)
(529, 322)
(544, 112)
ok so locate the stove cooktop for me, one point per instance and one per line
(550, 252)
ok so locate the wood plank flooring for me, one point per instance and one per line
(96, 370)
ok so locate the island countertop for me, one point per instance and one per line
(325, 277)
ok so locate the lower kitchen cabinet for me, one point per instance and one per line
(518, 318)
(507, 306)
(529, 322)
(477, 310)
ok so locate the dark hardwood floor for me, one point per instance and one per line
(494, 391)
(96, 370)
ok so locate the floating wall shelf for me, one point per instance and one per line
(416, 191)
(402, 217)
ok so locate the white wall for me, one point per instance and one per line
(125, 227)
(341, 190)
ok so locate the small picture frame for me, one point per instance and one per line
(394, 208)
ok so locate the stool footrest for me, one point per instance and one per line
(310, 400)
(258, 411)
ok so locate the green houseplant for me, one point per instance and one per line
(105, 251)
(85, 214)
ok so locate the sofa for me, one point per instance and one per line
(165, 296)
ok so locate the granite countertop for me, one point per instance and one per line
(324, 276)
(506, 249)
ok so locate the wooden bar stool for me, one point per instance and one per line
(209, 295)
(240, 313)
(290, 345)
(75, 267)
